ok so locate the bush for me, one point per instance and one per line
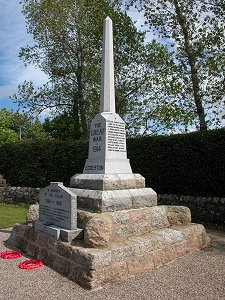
(36, 163)
(188, 164)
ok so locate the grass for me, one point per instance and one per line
(11, 214)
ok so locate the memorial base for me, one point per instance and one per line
(103, 201)
(105, 182)
(116, 245)
(111, 192)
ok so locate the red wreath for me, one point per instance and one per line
(10, 254)
(30, 264)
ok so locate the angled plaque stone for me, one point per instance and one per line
(51, 231)
(57, 206)
(58, 213)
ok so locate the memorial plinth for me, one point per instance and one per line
(107, 146)
(57, 213)
(124, 232)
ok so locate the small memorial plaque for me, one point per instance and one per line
(57, 206)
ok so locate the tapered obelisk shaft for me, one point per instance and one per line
(107, 145)
(107, 100)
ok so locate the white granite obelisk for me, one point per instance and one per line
(107, 99)
(107, 143)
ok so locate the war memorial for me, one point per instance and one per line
(107, 226)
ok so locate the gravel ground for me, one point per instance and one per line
(198, 276)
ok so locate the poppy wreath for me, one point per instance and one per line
(10, 254)
(30, 264)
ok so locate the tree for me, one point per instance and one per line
(67, 46)
(158, 106)
(194, 31)
(7, 135)
(60, 127)
(15, 126)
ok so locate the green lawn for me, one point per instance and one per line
(11, 214)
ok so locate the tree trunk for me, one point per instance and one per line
(192, 63)
(80, 93)
(80, 98)
(76, 121)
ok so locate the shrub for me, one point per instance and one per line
(188, 164)
(37, 163)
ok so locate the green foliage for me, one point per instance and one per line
(194, 33)
(11, 214)
(7, 134)
(60, 127)
(15, 126)
(188, 164)
(67, 47)
(36, 163)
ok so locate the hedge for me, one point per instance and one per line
(185, 164)
(37, 163)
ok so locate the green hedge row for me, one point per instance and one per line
(188, 164)
(36, 163)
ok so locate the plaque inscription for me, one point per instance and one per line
(116, 136)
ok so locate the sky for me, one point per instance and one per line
(13, 36)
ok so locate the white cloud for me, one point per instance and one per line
(31, 73)
(6, 90)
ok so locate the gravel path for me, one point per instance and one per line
(199, 276)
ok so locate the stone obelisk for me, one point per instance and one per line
(107, 99)
(107, 182)
(107, 143)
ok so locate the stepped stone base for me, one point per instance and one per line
(103, 201)
(107, 181)
(116, 245)
(111, 192)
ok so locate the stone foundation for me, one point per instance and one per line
(114, 200)
(116, 245)
(105, 182)
(111, 192)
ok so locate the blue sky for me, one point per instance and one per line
(12, 37)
